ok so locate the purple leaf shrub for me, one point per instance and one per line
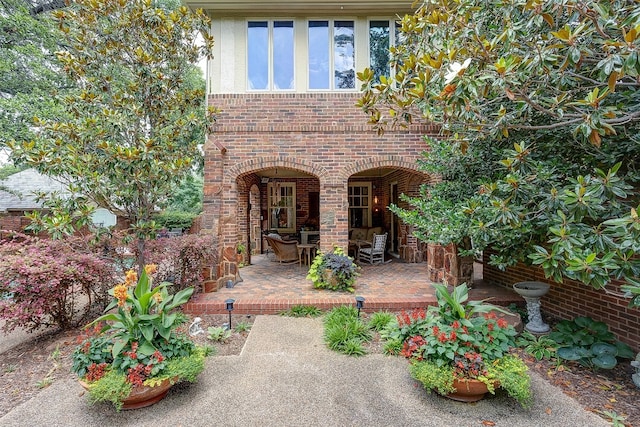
(50, 282)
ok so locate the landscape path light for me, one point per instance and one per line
(359, 304)
(229, 307)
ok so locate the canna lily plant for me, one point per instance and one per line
(135, 343)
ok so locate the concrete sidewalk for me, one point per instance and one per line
(285, 376)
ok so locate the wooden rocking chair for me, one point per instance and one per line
(375, 253)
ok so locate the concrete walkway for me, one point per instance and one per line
(285, 376)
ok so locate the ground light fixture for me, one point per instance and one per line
(359, 304)
(229, 307)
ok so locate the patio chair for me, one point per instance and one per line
(374, 254)
(284, 250)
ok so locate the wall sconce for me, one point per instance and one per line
(359, 304)
(229, 308)
(375, 200)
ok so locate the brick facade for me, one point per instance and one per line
(324, 138)
(570, 299)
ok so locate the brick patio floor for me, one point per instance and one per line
(268, 287)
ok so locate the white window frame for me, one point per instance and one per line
(331, 47)
(274, 205)
(393, 36)
(369, 207)
(270, 63)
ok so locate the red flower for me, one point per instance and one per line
(502, 323)
(436, 331)
(455, 324)
(490, 326)
(442, 337)
(453, 336)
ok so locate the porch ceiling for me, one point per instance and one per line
(297, 7)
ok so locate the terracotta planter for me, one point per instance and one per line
(468, 390)
(142, 396)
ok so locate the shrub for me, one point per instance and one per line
(180, 259)
(50, 282)
(175, 219)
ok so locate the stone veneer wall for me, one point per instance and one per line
(570, 298)
(444, 264)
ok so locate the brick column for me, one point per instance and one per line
(334, 207)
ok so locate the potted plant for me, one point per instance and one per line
(241, 249)
(334, 270)
(135, 354)
(461, 349)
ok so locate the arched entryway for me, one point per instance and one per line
(371, 190)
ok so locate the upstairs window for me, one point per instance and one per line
(270, 55)
(331, 55)
(381, 38)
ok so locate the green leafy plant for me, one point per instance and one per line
(588, 342)
(303, 311)
(242, 327)
(540, 347)
(218, 334)
(135, 343)
(510, 372)
(130, 135)
(511, 109)
(45, 382)
(335, 271)
(380, 320)
(462, 340)
(616, 419)
(344, 332)
(636, 376)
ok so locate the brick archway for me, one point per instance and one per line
(390, 161)
(262, 163)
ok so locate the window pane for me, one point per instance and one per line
(379, 48)
(258, 55)
(344, 58)
(283, 54)
(319, 55)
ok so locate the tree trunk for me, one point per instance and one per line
(141, 260)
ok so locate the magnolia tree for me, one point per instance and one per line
(30, 73)
(539, 109)
(136, 120)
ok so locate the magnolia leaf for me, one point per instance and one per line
(548, 19)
